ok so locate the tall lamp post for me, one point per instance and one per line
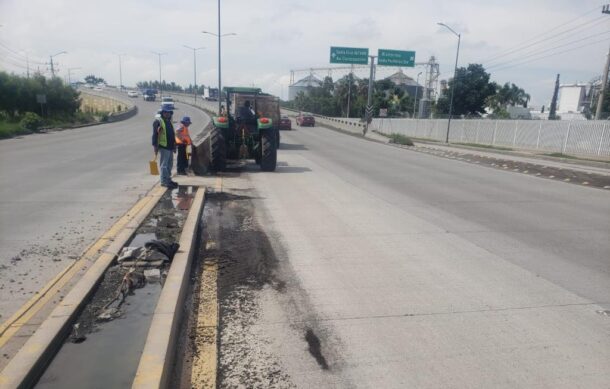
(70, 74)
(457, 54)
(416, 93)
(194, 67)
(160, 85)
(120, 71)
(52, 67)
(219, 36)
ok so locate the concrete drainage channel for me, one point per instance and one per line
(126, 310)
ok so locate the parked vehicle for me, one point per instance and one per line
(285, 123)
(234, 137)
(306, 119)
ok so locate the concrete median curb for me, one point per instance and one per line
(27, 365)
(157, 359)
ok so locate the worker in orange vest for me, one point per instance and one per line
(183, 139)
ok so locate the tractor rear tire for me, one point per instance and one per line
(218, 150)
(268, 151)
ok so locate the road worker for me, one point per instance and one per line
(183, 142)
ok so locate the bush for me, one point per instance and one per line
(31, 121)
(104, 117)
(400, 139)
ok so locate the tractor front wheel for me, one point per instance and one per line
(218, 150)
(268, 151)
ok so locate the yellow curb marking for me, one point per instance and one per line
(204, 368)
(205, 363)
(20, 318)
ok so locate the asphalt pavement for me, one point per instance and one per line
(400, 269)
(59, 191)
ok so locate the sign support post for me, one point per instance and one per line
(369, 100)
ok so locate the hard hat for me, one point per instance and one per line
(186, 120)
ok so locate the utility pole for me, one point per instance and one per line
(52, 67)
(194, 67)
(27, 61)
(553, 109)
(602, 92)
(160, 85)
(369, 99)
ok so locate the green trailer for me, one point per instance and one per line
(253, 135)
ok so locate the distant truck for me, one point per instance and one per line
(149, 95)
(211, 94)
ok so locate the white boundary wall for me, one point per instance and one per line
(589, 137)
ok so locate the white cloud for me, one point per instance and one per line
(275, 36)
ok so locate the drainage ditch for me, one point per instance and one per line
(107, 338)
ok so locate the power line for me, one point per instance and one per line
(19, 55)
(559, 26)
(531, 54)
(551, 55)
(587, 25)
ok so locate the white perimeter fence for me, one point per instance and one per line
(590, 137)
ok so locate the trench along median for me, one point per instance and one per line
(24, 369)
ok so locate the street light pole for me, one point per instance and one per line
(52, 67)
(70, 75)
(416, 93)
(160, 85)
(457, 54)
(120, 73)
(219, 35)
(194, 67)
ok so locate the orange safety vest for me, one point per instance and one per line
(182, 135)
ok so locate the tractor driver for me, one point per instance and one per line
(246, 114)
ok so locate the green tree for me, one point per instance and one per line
(505, 96)
(472, 88)
(91, 79)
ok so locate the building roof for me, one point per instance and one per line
(399, 78)
(310, 80)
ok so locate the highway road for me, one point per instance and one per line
(378, 267)
(60, 191)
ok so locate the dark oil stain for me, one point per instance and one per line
(315, 348)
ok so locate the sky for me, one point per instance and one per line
(275, 36)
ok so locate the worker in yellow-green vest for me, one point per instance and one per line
(164, 144)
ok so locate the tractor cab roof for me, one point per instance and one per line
(240, 89)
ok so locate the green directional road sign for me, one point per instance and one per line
(396, 58)
(350, 55)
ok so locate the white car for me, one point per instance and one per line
(132, 93)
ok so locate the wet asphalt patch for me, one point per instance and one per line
(254, 277)
(315, 348)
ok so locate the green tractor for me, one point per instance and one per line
(247, 129)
